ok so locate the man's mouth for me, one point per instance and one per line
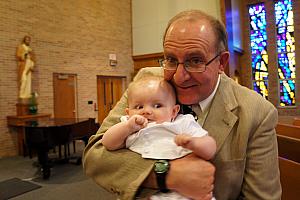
(185, 87)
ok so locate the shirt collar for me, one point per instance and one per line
(206, 102)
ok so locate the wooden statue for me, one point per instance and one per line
(26, 62)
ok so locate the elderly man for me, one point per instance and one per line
(245, 165)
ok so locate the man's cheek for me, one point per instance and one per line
(168, 75)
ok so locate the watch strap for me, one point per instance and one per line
(161, 182)
(161, 170)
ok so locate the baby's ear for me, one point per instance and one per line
(176, 109)
(127, 111)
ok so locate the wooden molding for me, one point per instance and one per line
(146, 60)
(147, 56)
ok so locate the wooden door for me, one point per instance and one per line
(109, 91)
(65, 95)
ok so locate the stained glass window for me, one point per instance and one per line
(285, 52)
(258, 40)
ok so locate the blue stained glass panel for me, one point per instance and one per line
(258, 42)
(286, 66)
(259, 67)
(287, 92)
(257, 17)
(285, 39)
(259, 55)
(284, 13)
(261, 87)
(286, 51)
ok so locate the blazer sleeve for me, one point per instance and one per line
(261, 178)
(120, 172)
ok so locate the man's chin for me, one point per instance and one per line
(187, 99)
(188, 96)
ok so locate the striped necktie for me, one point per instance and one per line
(201, 115)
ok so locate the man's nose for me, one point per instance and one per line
(180, 74)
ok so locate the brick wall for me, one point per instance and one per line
(272, 59)
(67, 37)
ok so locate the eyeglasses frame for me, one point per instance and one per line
(185, 63)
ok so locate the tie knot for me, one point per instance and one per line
(197, 109)
(185, 109)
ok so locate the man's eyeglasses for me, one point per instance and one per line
(192, 65)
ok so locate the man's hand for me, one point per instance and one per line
(191, 177)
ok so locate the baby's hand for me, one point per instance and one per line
(183, 140)
(137, 122)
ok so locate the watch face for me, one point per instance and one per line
(161, 166)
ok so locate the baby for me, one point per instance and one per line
(154, 129)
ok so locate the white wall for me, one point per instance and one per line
(150, 17)
(236, 24)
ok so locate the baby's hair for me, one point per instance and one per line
(147, 73)
(144, 80)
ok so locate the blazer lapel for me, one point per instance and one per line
(221, 118)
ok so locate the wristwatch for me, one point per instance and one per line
(161, 168)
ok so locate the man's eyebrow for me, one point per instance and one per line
(195, 53)
(166, 53)
(189, 54)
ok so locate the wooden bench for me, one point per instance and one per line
(288, 137)
(288, 130)
(292, 120)
(296, 121)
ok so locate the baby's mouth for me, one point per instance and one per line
(150, 120)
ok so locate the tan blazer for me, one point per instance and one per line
(243, 125)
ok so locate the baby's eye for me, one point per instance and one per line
(157, 105)
(138, 107)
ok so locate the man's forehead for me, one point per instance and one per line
(184, 29)
(184, 23)
(189, 32)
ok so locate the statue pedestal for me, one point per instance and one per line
(22, 109)
(26, 107)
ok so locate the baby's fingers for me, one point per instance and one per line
(182, 140)
(141, 121)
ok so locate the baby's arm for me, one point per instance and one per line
(204, 147)
(114, 138)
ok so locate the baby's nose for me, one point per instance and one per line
(147, 111)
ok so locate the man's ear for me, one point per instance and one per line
(224, 59)
(127, 111)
